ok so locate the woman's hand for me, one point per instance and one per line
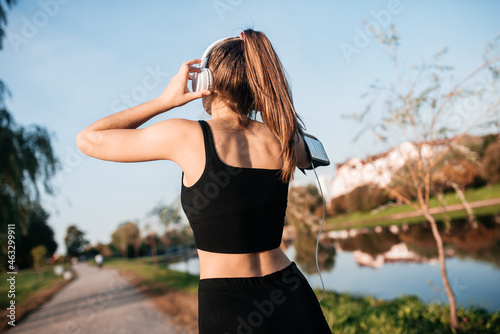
(116, 137)
(177, 93)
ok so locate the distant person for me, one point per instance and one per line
(236, 173)
(99, 260)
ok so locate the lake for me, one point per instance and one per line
(386, 262)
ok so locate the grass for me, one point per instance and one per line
(408, 314)
(157, 280)
(28, 282)
(359, 219)
(32, 290)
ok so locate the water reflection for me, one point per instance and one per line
(373, 247)
(393, 260)
(305, 256)
(386, 262)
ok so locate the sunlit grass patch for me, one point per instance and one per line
(157, 280)
(408, 314)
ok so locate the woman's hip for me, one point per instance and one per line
(279, 302)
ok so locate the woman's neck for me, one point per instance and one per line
(222, 113)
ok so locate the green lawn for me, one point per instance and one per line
(28, 281)
(359, 218)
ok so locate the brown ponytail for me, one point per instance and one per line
(248, 76)
(273, 98)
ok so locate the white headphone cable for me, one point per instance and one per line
(319, 233)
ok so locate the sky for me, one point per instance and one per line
(69, 63)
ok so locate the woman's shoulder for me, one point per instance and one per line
(180, 126)
(179, 132)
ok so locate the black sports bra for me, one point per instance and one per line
(234, 209)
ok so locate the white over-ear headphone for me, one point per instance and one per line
(204, 79)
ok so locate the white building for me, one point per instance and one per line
(380, 171)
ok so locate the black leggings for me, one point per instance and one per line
(282, 302)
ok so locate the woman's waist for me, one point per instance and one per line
(219, 265)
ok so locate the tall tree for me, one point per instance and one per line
(152, 240)
(176, 233)
(38, 254)
(3, 17)
(433, 112)
(75, 241)
(168, 214)
(127, 234)
(27, 160)
(39, 233)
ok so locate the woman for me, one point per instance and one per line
(236, 172)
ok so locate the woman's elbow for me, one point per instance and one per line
(84, 142)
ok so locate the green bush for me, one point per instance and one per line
(408, 314)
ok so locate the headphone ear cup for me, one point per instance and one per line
(210, 79)
(202, 80)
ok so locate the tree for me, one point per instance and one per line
(433, 112)
(168, 214)
(75, 241)
(152, 240)
(26, 158)
(27, 162)
(304, 211)
(3, 18)
(39, 233)
(127, 234)
(303, 203)
(176, 234)
(38, 254)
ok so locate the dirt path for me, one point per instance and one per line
(97, 301)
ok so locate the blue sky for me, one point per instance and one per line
(69, 63)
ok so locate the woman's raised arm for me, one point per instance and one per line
(116, 137)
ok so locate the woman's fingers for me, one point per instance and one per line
(187, 67)
(196, 95)
(177, 93)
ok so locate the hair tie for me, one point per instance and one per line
(242, 36)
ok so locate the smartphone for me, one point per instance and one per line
(315, 151)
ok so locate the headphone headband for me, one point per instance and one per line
(204, 79)
(206, 54)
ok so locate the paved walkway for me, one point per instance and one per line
(97, 301)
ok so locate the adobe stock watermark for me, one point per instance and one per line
(362, 38)
(31, 26)
(139, 93)
(223, 6)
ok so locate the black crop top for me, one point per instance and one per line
(234, 209)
